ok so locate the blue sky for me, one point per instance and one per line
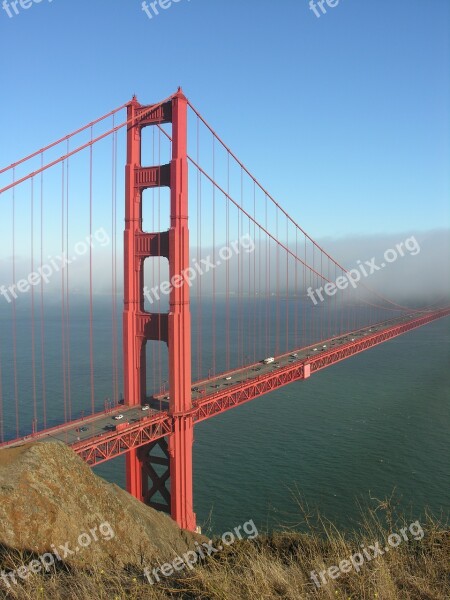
(344, 118)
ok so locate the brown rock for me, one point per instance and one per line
(49, 497)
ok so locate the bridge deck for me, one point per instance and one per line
(95, 443)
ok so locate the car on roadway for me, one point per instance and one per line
(81, 429)
(146, 407)
(118, 417)
(109, 427)
(227, 378)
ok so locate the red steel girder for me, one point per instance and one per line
(237, 395)
(101, 448)
(331, 357)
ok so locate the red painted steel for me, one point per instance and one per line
(133, 345)
(174, 327)
(181, 442)
(106, 446)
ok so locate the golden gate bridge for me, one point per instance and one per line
(211, 321)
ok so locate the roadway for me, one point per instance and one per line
(105, 423)
(215, 384)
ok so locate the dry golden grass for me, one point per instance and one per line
(275, 566)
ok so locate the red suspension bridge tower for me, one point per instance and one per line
(144, 481)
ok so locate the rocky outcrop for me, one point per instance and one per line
(51, 501)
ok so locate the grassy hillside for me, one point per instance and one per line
(277, 566)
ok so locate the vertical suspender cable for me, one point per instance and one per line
(296, 293)
(248, 308)
(114, 268)
(305, 284)
(44, 391)
(322, 331)
(349, 312)
(14, 327)
(91, 335)
(69, 388)
(63, 324)
(331, 313)
(287, 288)
(255, 300)
(239, 331)
(198, 331)
(336, 327)
(260, 292)
(313, 312)
(268, 315)
(331, 305)
(115, 276)
(199, 244)
(214, 258)
(278, 316)
(113, 321)
(33, 331)
(200, 287)
(227, 285)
